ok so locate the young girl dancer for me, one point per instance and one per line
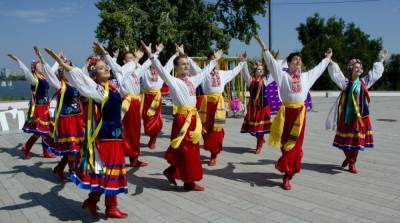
(67, 131)
(102, 168)
(38, 117)
(351, 111)
(257, 121)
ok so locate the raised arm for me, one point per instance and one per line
(227, 76)
(167, 78)
(198, 79)
(55, 67)
(377, 70)
(64, 65)
(272, 64)
(115, 67)
(85, 85)
(313, 74)
(140, 71)
(51, 76)
(194, 67)
(27, 73)
(337, 76)
(169, 66)
(246, 74)
(48, 71)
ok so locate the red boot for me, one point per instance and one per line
(260, 143)
(345, 163)
(59, 169)
(213, 160)
(25, 152)
(152, 142)
(286, 182)
(112, 210)
(352, 161)
(47, 154)
(192, 186)
(135, 162)
(28, 145)
(91, 203)
(72, 163)
(352, 168)
(169, 174)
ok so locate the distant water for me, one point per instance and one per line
(20, 90)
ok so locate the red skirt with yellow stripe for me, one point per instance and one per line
(113, 180)
(185, 158)
(257, 121)
(213, 140)
(69, 137)
(290, 161)
(354, 136)
(40, 121)
(152, 124)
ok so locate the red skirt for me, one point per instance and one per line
(40, 122)
(186, 158)
(213, 140)
(131, 134)
(199, 100)
(85, 110)
(152, 125)
(349, 138)
(257, 121)
(70, 136)
(290, 161)
(113, 181)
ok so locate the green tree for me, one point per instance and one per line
(198, 24)
(347, 41)
(238, 17)
(391, 77)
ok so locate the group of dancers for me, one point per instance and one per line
(97, 120)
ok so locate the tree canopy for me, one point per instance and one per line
(200, 25)
(347, 41)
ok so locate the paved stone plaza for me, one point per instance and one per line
(243, 187)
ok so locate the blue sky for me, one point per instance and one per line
(70, 25)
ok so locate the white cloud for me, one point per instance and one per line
(40, 15)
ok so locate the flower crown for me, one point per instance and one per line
(91, 65)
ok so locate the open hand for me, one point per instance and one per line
(180, 49)
(159, 48)
(138, 54)
(218, 54)
(243, 57)
(329, 53)
(12, 56)
(38, 54)
(260, 42)
(383, 54)
(146, 48)
(116, 53)
(99, 49)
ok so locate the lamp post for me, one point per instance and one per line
(269, 26)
